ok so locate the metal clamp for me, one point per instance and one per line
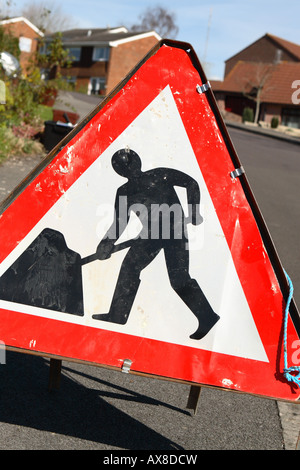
(203, 88)
(237, 172)
(126, 366)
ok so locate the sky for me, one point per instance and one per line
(215, 29)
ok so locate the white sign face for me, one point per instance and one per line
(84, 213)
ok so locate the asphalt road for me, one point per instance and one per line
(97, 408)
(273, 171)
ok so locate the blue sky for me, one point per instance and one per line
(234, 24)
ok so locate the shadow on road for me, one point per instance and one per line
(74, 410)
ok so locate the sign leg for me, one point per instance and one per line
(193, 399)
(54, 374)
(298, 442)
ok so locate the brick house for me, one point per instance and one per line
(270, 66)
(103, 56)
(28, 35)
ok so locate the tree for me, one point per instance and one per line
(158, 19)
(50, 62)
(5, 6)
(47, 16)
(55, 57)
(9, 43)
(256, 84)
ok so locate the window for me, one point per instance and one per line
(44, 49)
(71, 80)
(100, 54)
(278, 56)
(74, 53)
(291, 117)
(25, 44)
(97, 85)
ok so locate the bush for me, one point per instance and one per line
(248, 115)
(21, 102)
(13, 143)
(274, 122)
(45, 112)
(23, 114)
(21, 119)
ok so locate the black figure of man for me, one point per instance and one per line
(146, 194)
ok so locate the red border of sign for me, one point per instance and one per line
(176, 65)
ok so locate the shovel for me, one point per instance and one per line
(116, 248)
(48, 275)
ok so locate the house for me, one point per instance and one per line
(28, 35)
(268, 49)
(102, 57)
(265, 71)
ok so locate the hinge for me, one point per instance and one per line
(237, 172)
(126, 365)
(203, 88)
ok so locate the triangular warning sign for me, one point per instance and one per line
(139, 238)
